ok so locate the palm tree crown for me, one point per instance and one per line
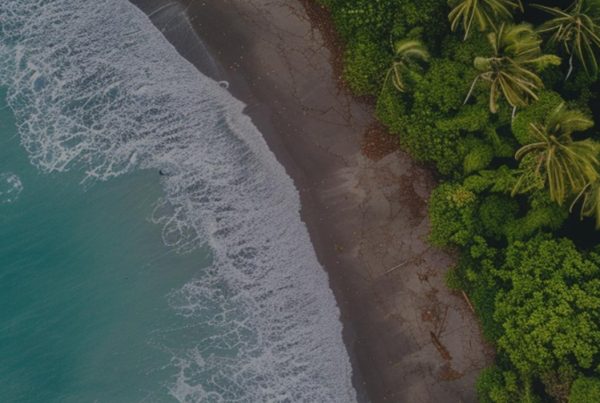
(484, 13)
(576, 29)
(511, 70)
(408, 54)
(565, 166)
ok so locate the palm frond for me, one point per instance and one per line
(512, 68)
(576, 30)
(565, 166)
(485, 14)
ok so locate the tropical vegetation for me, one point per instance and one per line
(500, 98)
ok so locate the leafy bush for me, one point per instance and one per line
(543, 214)
(451, 210)
(476, 268)
(454, 48)
(425, 18)
(443, 87)
(497, 212)
(478, 157)
(550, 309)
(501, 180)
(534, 113)
(497, 386)
(366, 65)
(354, 17)
(585, 390)
(433, 124)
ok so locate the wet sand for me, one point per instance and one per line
(410, 339)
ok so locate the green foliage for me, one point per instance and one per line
(453, 280)
(564, 165)
(590, 201)
(576, 30)
(537, 298)
(497, 212)
(354, 17)
(432, 122)
(451, 210)
(478, 157)
(475, 269)
(533, 113)
(409, 54)
(511, 69)
(391, 109)
(497, 386)
(501, 180)
(465, 51)
(550, 309)
(443, 87)
(585, 390)
(366, 66)
(542, 215)
(425, 19)
(484, 13)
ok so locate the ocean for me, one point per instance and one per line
(151, 247)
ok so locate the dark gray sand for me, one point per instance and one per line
(409, 337)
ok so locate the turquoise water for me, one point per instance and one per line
(84, 286)
(118, 284)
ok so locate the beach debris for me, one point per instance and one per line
(440, 347)
(466, 297)
(397, 267)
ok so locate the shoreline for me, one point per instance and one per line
(367, 219)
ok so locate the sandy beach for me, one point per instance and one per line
(409, 337)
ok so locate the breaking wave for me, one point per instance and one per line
(96, 88)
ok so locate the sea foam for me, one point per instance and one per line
(95, 87)
(10, 187)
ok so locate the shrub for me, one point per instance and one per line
(391, 109)
(366, 65)
(451, 210)
(501, 180)
(428, 17)
(478, 157)
(543, 214)
(443, 87)
(585, 390)
(464, 52)
(550, 307)
(476, 268)
(497, 386)
(373, 17)
(496, 212)
(433, 124)
(534, 113)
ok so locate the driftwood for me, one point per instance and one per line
(440, 347)
(464, 294)
(396, 267)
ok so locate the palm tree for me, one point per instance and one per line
(408, 54)
(576, 30)
(590, 202)
(511, 70)
(565, 166)
(484, 13)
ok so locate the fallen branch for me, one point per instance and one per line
(464, 294)
(396, 267)
(440, 347)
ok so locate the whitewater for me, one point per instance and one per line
(95, 88)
